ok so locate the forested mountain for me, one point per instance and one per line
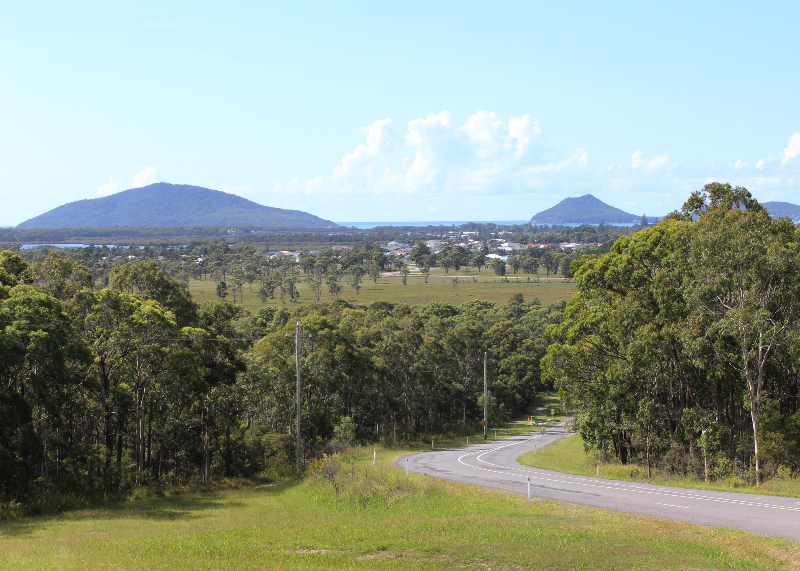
(584, 209)
(164, 204)
(781, 209)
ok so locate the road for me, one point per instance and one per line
(494, 465)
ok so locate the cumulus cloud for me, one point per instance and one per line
(147, 176)
(437, 156)
(492, 167)
(792, 150)
(649, 165)
(108, 188)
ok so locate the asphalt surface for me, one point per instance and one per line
(494, 465)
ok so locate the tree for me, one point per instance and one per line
(222, 290)
(418, 252)
(373, 270)
(148, 280)
(499, 267)
(355, 274)
(425, 271)
(333, 285)
(746, 292)
(60, 277)
(687, 316)
(404, 271)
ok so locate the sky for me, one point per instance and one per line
(401, 111)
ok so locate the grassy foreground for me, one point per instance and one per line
(483, 286)
(567, 455)
(373, 518)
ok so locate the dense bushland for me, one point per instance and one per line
(135, 384)
(681, 345)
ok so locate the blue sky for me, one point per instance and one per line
(399, 111)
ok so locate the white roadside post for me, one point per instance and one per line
(598, 467)
(529, 488)
(406, 466)
(374, 456)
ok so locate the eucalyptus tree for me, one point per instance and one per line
(686, 316)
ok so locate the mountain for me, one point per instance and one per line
(780, 209)
(164, 204)
(584, 209)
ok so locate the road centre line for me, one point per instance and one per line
(618, 487)
(673, 506)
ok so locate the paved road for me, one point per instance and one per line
(495, 465)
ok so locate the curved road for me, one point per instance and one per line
(494, 465)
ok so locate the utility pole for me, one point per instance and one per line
(485, 396)
(297, 365)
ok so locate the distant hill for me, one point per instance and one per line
(164, 204)
(780, 209)
(584, 209)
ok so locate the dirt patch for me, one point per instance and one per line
(311, 551)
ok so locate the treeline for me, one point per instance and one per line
(324, 273)
(681, 347)
(281, 237)
(141, 235)
(136, 384)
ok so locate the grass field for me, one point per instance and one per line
(567, 455)
(379, 519)
(484, 286)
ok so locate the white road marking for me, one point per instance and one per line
(672, 506)
(616, 486)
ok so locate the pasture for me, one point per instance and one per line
(484, 285)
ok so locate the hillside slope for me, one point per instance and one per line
(584, 209)
(164, 204)
(780, 209)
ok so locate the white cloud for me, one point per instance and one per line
(487, 167)
(108, 188)
(650, 165)
(436, 156)
(578, 160)
(147, 176)
(792, 150)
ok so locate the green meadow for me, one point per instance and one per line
(484, 285)
(353, 515)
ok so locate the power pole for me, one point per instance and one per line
(485, 396)
(297, 365)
